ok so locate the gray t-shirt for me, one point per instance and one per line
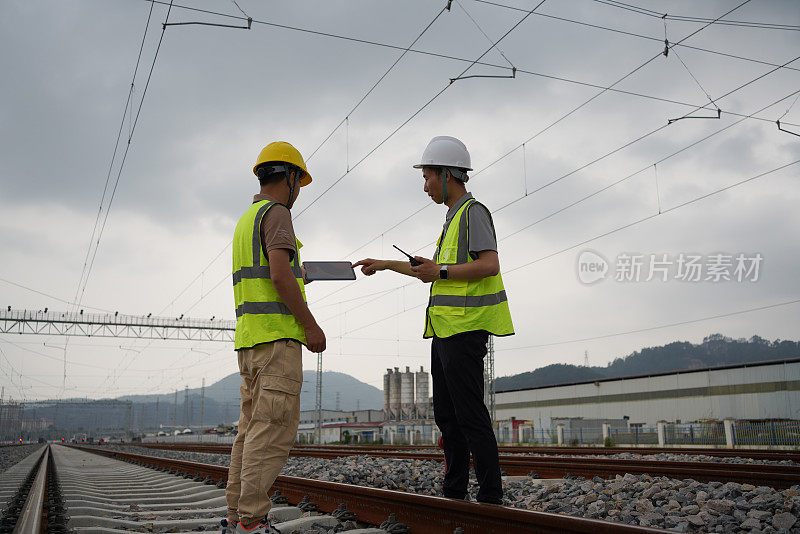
(481, 233)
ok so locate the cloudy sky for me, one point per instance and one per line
(560, 161)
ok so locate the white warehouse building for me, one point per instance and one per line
(753, 391)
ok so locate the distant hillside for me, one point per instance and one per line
(220, 405)
(715, 350)
(352, 392)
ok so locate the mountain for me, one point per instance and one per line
(219, 405)
(715, 350)
(353, 394)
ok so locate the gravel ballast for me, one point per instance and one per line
(12, 455)
(680, 505)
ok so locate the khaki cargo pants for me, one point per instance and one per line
(272, 376)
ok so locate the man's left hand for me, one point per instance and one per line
(427, 270)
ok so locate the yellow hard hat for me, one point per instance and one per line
(285, 152)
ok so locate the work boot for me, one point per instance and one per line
(259, 528)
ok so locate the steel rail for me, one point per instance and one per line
(422, 513)
(30, 516)
(776, 476)
(755, 454)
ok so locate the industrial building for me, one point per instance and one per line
(753, 391)
(10, 420)
(405, 395)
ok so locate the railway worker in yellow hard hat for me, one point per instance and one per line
(272, 323)
(467, 304)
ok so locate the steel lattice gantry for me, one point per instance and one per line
(114, 325)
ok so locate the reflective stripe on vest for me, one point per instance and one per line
(261, 315)
(457, 306)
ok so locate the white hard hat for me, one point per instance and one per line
(445, 151)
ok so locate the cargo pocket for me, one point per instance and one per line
(277, 398)
(450, 297)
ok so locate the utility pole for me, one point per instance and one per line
(202, 402)
(318, 404)
(128, 416)
(488, 378)
(175, 410)
(586, 358)
(186, 406)
(156, 420)
(338, 403)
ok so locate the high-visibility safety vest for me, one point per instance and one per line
(261, 315)
(457, 306)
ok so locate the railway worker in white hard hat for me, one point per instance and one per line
(467, 304)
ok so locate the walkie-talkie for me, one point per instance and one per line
(411, 259)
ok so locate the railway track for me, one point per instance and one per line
(17, 483)
(754, 454)
(420, 513)
(776, 476)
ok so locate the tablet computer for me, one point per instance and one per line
(329, 270)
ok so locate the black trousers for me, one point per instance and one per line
(462, 417)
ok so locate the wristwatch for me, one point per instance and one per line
(443, 272)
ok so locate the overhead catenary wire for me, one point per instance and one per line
(701, 20)
(435, 54)
(653, 216)
(657, 327)
(643, 169)
(124, 158)
(114, 154)
(596, 192)
(385, 139)
(475, 22)
(378, 82)
(420, 210)
(345, 120)
(600, 236)
(629, 33)
(48, 295)
(413, 115)
(608, 154)
(567, 80)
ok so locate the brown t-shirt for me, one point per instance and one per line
(276, 228)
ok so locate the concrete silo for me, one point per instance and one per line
(407, 395)
(394, 393)
(387, 388)
(421, 399)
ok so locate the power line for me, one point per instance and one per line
(653, 216)
(409, 119)
(603, 157)
(125, 155)
(70, 302)
(655, 14)
(641, 137)
(567, 80)
(114, 155)
(371, 89)
(434, 54)
(658, 327)
(575, 203)
(475, 22)
(605, 234)
(643, 169)
(363, 98)
(402, 125)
